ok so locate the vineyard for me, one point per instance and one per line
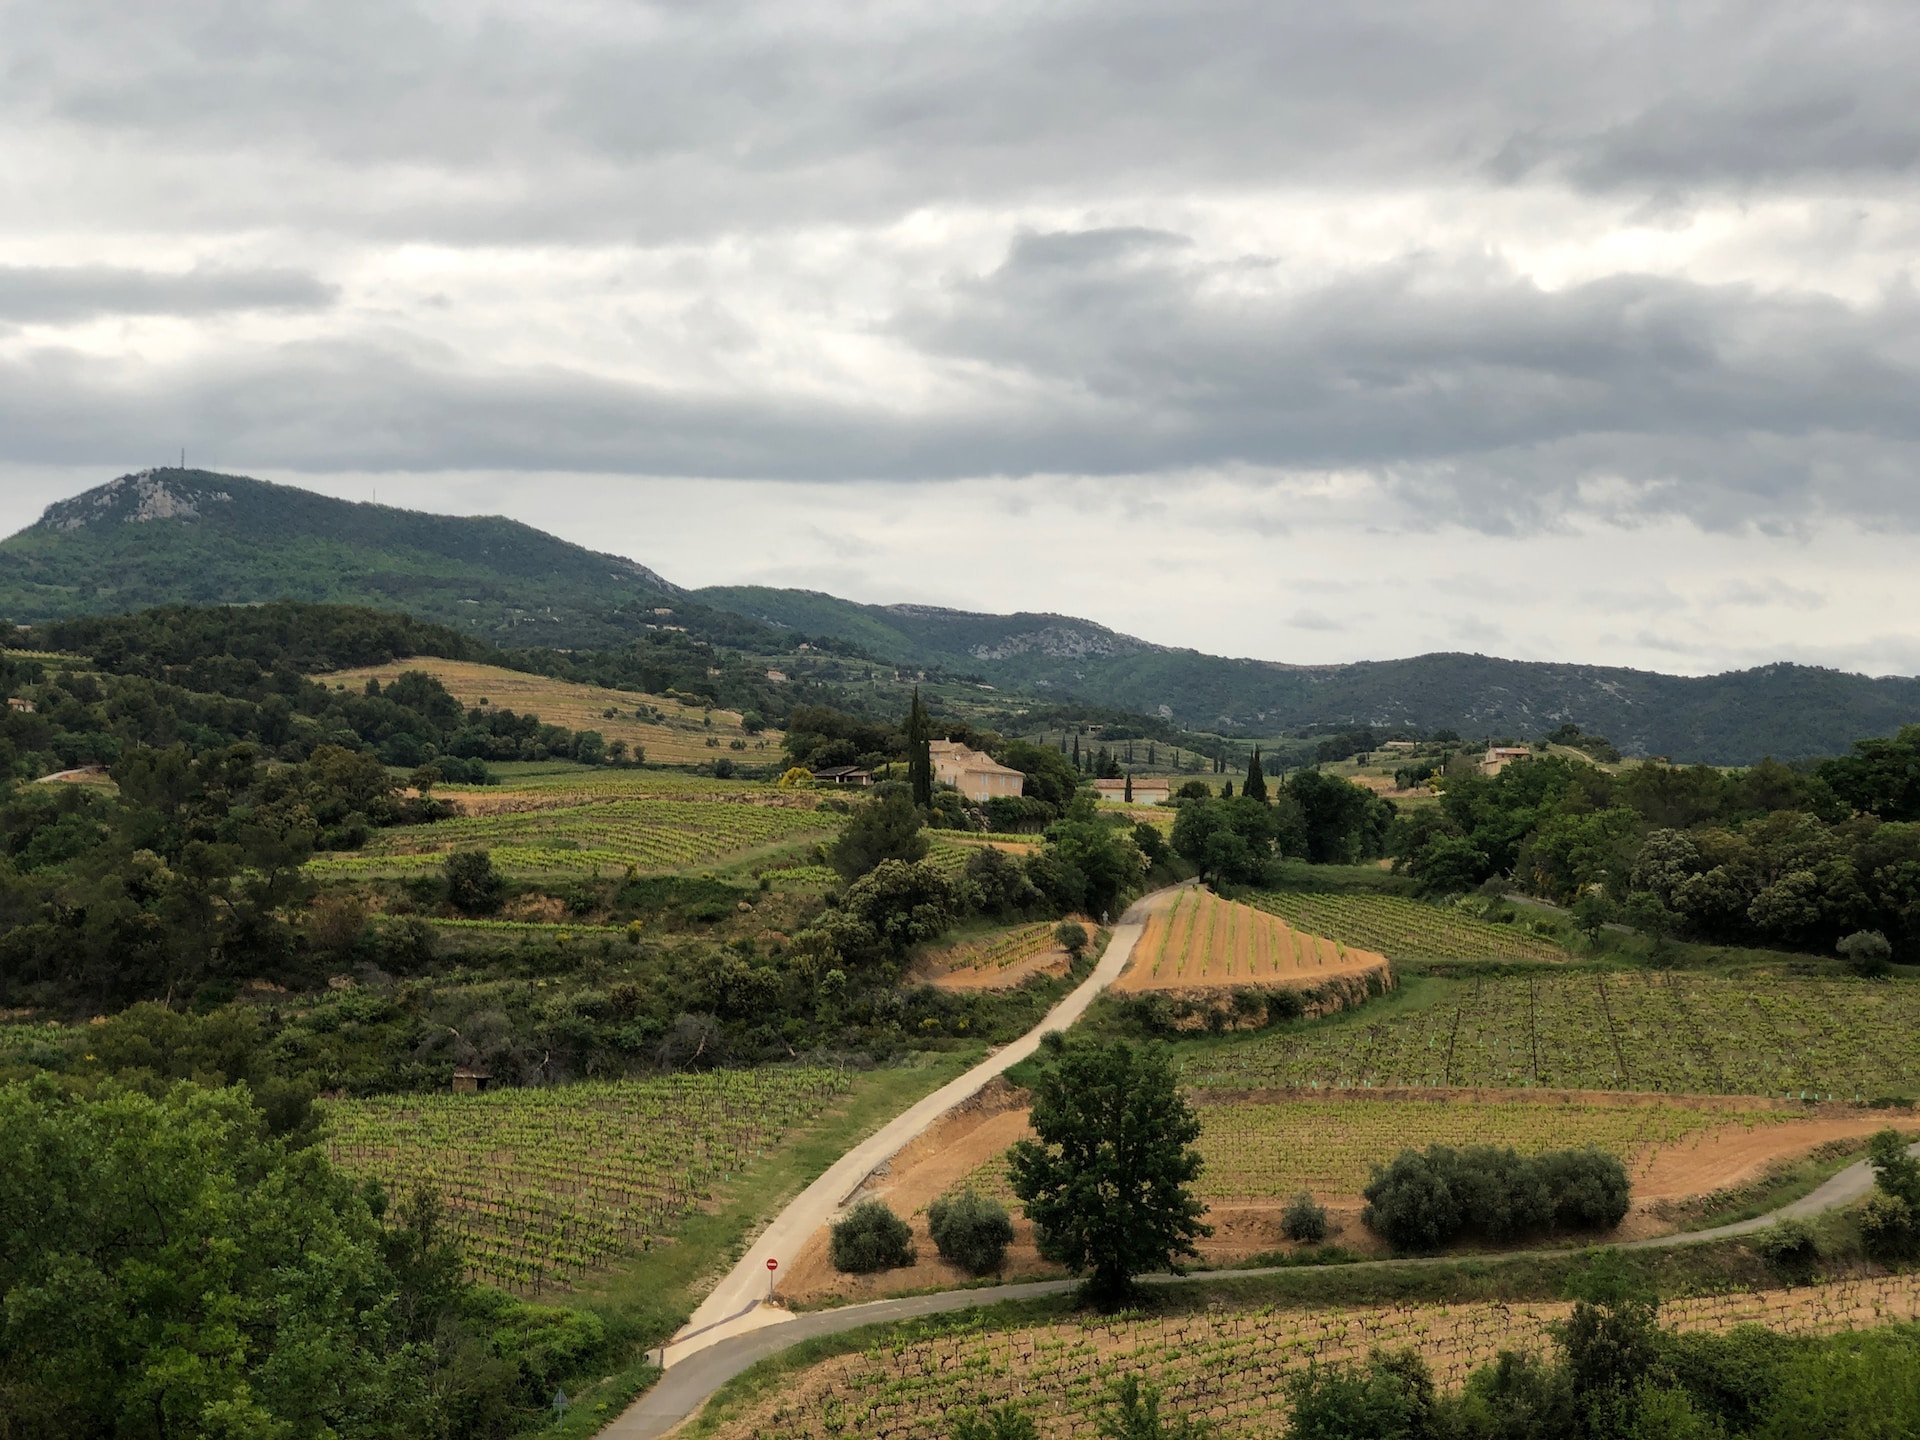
(545, 1186)
(525, 783)
(1404, 929)
(1225, 1367)
(646, 835)
(948, 851)
(980, 963)
(1273, 1149)
(517, 929)
(1203, 942)
(1676, 1032)
(670, 731)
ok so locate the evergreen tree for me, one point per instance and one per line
(1153, 757)
(1129, 792)
(1076, 751)
(919, 752)
(1256, 786)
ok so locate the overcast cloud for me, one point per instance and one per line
(1303, 331)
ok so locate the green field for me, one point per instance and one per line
(1676, 1032)
(1274, 1149)
(1403, 929)
(594, 838)
(546, 1186)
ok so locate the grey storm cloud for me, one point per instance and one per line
(1470, 391)
(48, 293)
(1118, 341)
(609, 117)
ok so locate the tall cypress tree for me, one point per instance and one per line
(1076, 750)
(1128, 797)
(1256, 785)
(919, 752)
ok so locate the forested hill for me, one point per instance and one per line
(169, 537)
(1788, 711)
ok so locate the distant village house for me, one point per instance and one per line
(978, 777)
(24, 707)
(1498, 757)
(1145, 792)
(843, 775)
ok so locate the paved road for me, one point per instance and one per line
(734, 1306)
(686, 1387)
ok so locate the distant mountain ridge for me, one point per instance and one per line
(1789, 711)
(170, 537)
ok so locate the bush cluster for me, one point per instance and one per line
(871, 1238)
(971, 1231)
(1427, 1199)
(1304, 1220)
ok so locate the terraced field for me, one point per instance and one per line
(1007, 956)
(646, 835)
(1403, 928)
(545, 1186)
(1201, 942)
(1675, 1032)
(670, 731)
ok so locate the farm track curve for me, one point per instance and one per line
(734, 1306)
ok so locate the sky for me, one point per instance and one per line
(1267, 327)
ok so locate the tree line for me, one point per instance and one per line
(1797, 858)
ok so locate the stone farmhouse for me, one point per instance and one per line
(978, 777)
(1498, 757)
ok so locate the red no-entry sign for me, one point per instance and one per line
(772, 1264)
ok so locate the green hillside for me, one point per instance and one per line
(189, 536)
(1789, 711)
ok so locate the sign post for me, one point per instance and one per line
(772, 1266)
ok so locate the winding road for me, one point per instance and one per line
(734, 1328)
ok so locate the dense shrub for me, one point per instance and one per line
(970, 1230)
(1888, 1229)
(1425, 1199)
(1867, 952)
(1304, 1220)
(474, 887)
(1790, 1245)
(1588, 1188)
(871, 1238)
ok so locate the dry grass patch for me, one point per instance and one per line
(670, 731)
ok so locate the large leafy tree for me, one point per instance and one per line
(170, 1271)
(1107, 1182)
